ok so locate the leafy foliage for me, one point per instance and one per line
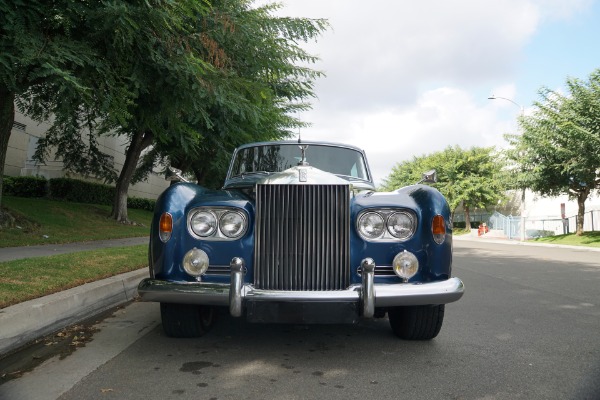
(558, 151)
(267, 80)
(473, 178)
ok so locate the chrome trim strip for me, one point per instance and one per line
(443, 292)
(217, 294)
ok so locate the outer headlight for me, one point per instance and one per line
(203, 223)
(232, 224)
(371, 225)
(401, 225)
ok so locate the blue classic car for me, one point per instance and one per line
(298, 234)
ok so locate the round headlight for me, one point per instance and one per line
(204, 223)
(405, 265)
(401, 225)
(195, 262)
(371, 225)
(232, 224)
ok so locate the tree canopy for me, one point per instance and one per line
(263, 51)
(46, 55)
(473, 178)
(558, 151)
(188, 79)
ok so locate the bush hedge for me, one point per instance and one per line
(462, 224)
(24, 186)
(70, 190)
(80, 191)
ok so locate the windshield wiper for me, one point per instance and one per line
(250, 173)
(351, 178)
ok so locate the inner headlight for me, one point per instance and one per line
(232, 224)
(371, 225)
(203, 223)
(401, 225)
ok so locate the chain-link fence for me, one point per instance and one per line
(540, 227)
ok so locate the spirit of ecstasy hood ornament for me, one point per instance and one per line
(303, 161)
(303, 148)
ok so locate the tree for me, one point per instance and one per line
(261, 50)
(45, 52)
(185, 91)
(558, 150)
(156, 47)
(473, 178)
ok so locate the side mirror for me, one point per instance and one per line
(174, 175)
(429, 177)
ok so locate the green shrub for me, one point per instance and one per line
(141, 204)
(69, 190)
(24, 186)
(80, 191)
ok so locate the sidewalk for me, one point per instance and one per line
(16, 253)
(30, 320)
(498, 240)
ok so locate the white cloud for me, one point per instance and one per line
(409, 78)
(440, 118)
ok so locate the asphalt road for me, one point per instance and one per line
(527, 328)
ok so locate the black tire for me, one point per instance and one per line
(417, 322)
(186, 320)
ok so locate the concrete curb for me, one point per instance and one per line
(28, 321)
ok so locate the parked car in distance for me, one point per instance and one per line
(298, 234)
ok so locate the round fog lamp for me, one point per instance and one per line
(195, 262)
(405, 265)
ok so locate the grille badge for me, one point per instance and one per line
(303, 175)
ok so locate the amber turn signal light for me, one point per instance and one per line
(165, 227)
(438, 228)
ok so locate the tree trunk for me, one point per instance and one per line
(467, 217)
(581, 198)
(139, 142)
(7, 118)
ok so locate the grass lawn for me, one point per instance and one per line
(43, 221)
(589, 239)
(26, 279)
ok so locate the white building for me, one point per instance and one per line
(23, 143)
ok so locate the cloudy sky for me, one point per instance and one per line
(408, 78)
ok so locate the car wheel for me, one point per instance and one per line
(186, 320)
(416, 322)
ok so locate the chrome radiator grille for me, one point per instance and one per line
(302, 237)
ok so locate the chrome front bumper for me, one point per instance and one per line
(367, 294)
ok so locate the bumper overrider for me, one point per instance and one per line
(366, 295)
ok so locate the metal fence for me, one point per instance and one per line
(511, 225)
(538, 227)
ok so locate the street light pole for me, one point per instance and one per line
(522, 230)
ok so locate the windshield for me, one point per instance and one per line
(277, 158)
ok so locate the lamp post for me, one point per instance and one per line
(522, 230)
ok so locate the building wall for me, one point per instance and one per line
(22, 146)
